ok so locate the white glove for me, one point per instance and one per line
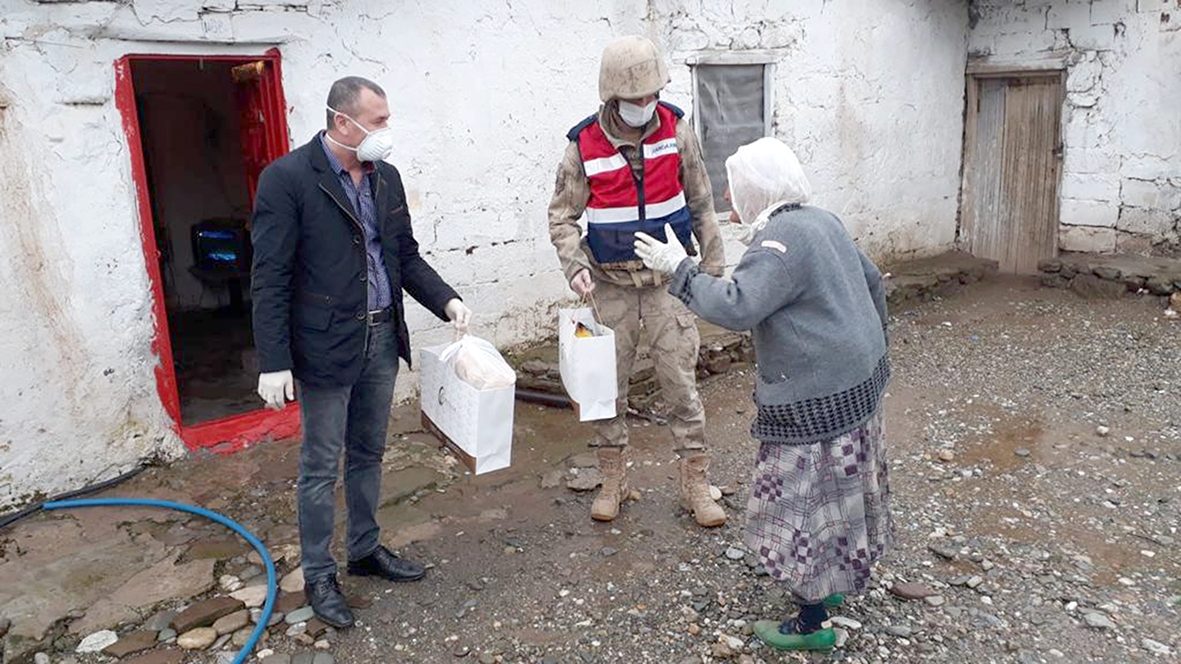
(582, 283)
(459, 315)
(660, 256)
(274, 387)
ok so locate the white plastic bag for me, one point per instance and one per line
(587, 364)
(479, 364)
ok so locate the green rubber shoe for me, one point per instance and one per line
(768, 632)
(834, 600)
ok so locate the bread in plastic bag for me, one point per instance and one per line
(479, 364)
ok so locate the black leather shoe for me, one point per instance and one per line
(328, 602)
(386, 565)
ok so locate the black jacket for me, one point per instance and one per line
(308, 281)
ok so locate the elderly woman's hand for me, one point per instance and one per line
(660, 256)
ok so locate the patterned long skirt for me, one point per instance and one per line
(819, 514)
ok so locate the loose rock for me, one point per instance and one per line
(229, 583)
(160, 621)
(552, 479)
(232, 623)
(251, 596)
(299, 615)
(204, 613)
(316, 627)
(241, 637)
(847, 623)
(587, 479)
(733, 642)
(131, 643)
(1097, 620)
(197, 639)
(911, 591)
(1155, 647)
(944, 551)
(97, 642)
(293, 582)
(842, 637)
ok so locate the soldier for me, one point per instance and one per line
(636, 166)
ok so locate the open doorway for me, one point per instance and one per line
(201, 129)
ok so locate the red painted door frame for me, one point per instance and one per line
(231, 433)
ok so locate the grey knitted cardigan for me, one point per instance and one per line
(817, 310)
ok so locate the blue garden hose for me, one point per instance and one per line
(272, 586)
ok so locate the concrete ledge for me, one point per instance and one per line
(937, 276)
(1112, 274)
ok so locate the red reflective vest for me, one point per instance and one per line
(623, 202)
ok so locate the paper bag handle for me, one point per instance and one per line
(594, 306)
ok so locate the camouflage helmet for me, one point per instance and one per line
(631, 68)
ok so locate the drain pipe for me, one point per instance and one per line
(544, 398)
(272, 586)
(562, 401)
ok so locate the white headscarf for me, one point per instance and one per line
(764, 176)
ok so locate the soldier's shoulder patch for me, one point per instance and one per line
(773, 244)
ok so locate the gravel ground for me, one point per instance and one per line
(1035, 442)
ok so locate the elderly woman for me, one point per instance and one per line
(818, 515)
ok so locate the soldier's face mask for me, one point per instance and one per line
(635, 115)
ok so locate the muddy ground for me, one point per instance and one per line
(1035, 445)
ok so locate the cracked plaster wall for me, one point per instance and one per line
(1121, 130)
(482, 96)
(870, 95)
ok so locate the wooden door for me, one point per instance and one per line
(1012, 162)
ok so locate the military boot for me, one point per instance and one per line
(614, 490)
(695, 491)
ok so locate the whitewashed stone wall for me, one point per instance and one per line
(1121, 181)
(870, 93)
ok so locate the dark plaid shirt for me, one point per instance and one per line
(365, 209)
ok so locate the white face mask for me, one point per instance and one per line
(377, 145)
(635, 115)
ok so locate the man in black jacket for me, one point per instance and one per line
(333, 250)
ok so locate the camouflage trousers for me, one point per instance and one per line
(673, 344)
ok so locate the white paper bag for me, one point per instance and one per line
(476, 424)
(587, 364)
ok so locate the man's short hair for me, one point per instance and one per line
(345, 93)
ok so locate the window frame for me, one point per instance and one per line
(766, 58)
